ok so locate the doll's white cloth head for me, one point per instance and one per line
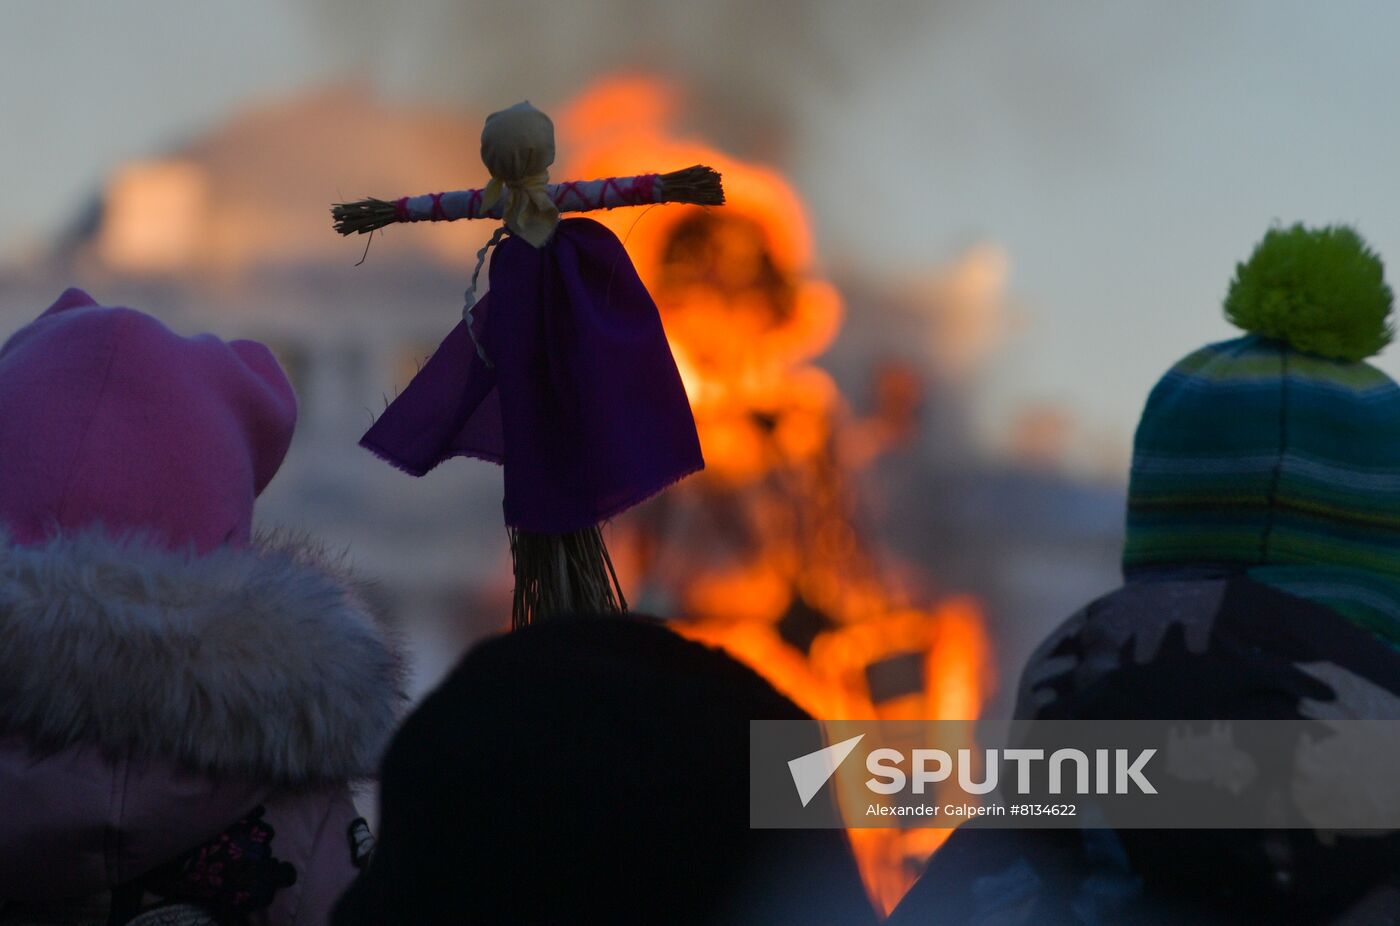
(517, 146)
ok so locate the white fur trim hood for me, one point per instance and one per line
(260, 661)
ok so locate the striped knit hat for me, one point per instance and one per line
(1278, 453)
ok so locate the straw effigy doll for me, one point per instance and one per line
(561, 373)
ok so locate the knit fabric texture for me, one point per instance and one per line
(1253, 456)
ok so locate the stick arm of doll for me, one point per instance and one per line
(699, 185)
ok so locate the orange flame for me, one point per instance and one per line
(745, 312)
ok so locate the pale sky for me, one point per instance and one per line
(1124, 154)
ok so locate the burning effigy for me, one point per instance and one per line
(764, 554)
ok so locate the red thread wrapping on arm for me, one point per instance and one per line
(564, 190)
(568, 195)
(603, 191)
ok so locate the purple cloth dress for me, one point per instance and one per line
(583, 405)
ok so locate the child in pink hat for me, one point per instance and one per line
(180, 708)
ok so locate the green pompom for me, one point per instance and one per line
(1321, 290)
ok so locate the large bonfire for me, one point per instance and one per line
(763, 554)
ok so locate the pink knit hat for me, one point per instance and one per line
(108, 418)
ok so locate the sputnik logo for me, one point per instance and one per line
(811, 771)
